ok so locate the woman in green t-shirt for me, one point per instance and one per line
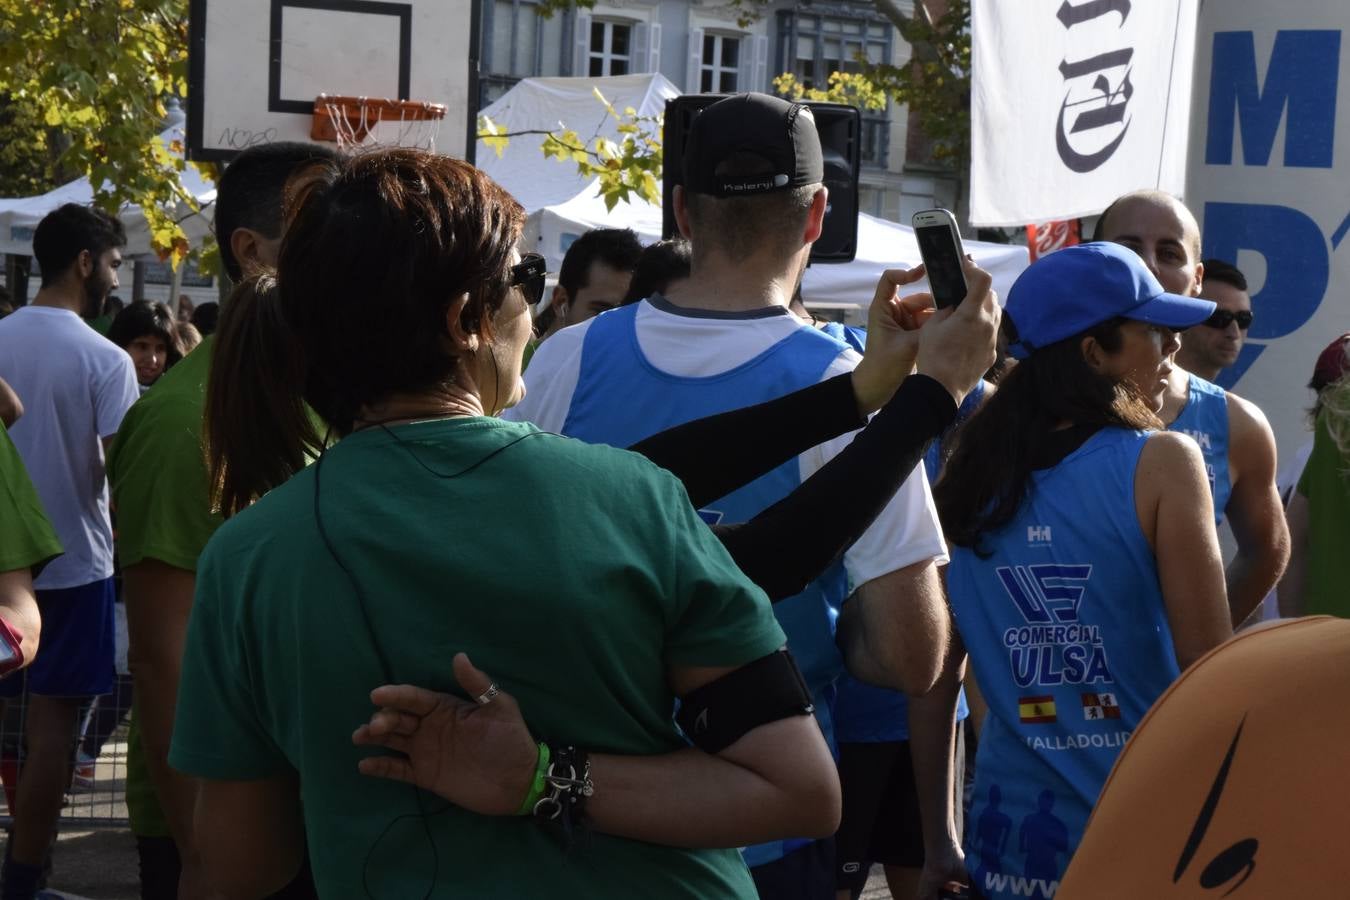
(27, 543)
(429, 528)
(1317, 580)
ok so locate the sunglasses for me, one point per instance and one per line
(1223, 318)
(528, 275)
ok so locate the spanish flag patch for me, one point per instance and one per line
(1036, 710)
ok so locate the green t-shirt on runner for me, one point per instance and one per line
(157, 469)
(27, 540)
(573, 574)
(1326, 484)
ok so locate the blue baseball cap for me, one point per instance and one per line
(1069, 291)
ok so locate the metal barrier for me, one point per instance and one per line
(97, 793)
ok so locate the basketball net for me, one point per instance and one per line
(366, 122)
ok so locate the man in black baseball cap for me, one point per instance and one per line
(751, 205)
(782, 135)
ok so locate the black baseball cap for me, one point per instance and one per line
(783, 134)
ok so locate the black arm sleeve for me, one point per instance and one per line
(838, 503)
(753, 440)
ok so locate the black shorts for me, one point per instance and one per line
(880, 822)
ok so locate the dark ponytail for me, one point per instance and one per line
(258, 431)
(374, 251)
(985, 481)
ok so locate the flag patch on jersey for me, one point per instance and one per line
(1100, 706)
(1036, 710)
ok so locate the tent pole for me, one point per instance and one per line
(137, 281)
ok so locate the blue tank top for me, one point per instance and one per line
(622, 397)
(1205, 418)
(1068, 636)
(864, 713)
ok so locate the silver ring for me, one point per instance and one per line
(486, 697)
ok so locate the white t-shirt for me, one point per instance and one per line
(75, 386)
(698, 344)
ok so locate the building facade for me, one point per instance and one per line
(701, 46)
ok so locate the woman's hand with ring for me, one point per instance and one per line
(478, 755)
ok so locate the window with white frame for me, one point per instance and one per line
(611, 48)
(721, 64)
(726, 61)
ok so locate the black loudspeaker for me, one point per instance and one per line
(840, 129)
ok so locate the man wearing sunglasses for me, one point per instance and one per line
(1213, 346)
(1233, 433)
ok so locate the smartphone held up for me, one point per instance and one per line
(943, 256)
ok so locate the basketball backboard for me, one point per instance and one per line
(255, 66)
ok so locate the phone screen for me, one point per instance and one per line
(942, 258)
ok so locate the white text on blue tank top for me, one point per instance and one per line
(1206, 443)
(1053, 648)
(1200, 437)
(1111, 740)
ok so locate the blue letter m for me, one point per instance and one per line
(1304, 68)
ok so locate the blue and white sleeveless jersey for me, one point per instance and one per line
(1069, 639)
(864, 713)
(634, 371)
(1205, 419)
(621, 399)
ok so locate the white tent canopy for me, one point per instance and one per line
(881, 245)
(20, 215)
(549, 104)
(562, 205)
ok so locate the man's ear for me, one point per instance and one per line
(559, 302)
(815, 219)
(682, 213)
(1199, 279)
(461, 339)
(86, 262)
(247, 247)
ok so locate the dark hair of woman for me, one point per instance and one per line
(141, 318)
(374, 251)
(660, 265)
(986, 479)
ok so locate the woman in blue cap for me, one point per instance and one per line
(1085, 570)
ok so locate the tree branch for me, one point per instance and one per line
(891, 10)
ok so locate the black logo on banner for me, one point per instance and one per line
(1097, 94)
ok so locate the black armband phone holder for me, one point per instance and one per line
(771, 688)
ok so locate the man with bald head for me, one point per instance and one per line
(1237, 442)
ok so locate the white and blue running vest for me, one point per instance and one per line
(864, 713)
(1069, 637)
(1205, 418)
(621, 398)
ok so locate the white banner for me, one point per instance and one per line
(1075, 102)
(1270, 183)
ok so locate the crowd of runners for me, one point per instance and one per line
(436, 586)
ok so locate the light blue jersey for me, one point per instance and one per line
(621, 398)
(1068, 635)
(1205, 418)
(863, 713)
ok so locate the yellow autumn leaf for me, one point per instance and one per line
(649, 189)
